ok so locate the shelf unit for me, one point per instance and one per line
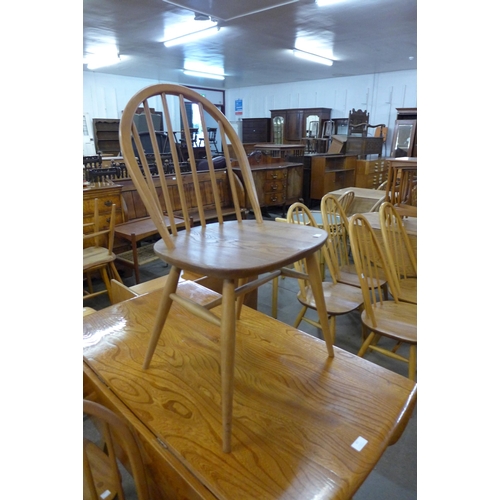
(106, 135)
(331, 172)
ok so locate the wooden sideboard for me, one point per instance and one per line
(277, 182)
(331, 172)
(107, 196)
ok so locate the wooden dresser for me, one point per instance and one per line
(277, 182)
(107, 195)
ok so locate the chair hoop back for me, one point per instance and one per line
(158, 194)
(400, 255)
(336, 224)
(371, 265)
(116, 435)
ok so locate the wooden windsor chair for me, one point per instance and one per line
(400, 256)
(243, 253)
(340, 298)
(99, 255)
(392, 319)
(101, 475)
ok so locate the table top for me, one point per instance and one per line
(373, 194)
(410, 223)
(304, 425)
(142, 228)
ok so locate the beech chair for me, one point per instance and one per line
(340, 298)
(101, 475)
(99, 256)
(381, 318)
(400, 256)
(346, 200)
(243, 253)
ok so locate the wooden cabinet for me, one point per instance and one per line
(256, 130)
(291, 125)
(277, 184)
(331, 172)
(107, 196)
(371, 173)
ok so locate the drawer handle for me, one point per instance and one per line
(108, 203)
(275, 176)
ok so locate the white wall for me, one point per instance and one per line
(105, 96)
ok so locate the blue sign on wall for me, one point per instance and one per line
(238, 107)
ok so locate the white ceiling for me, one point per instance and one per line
(254, 48)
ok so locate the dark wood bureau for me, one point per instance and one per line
(277, 182)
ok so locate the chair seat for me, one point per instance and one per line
(394, 317)
(96, 256)
(408, 290)
(339, 298)
(240, 249)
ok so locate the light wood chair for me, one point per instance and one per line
(242, 254)
(99, 256)
(340, 298)
(346, 200)
(392, 319)
(101, 475)
(400, 256)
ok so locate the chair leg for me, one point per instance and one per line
(366, 344)
(274, 307)
(162, 313)
(228, 345)
(412, 363)
(299, 317)
(317, 288)
(105, 278)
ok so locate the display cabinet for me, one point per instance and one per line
(292, 125)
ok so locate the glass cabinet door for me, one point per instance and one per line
(278, 129)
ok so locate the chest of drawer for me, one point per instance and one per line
(276, 174)
(274, 186)
(276, 198)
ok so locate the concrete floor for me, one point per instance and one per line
(395, 476)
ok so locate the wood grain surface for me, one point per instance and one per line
(297, 412)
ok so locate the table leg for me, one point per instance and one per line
(135, 258)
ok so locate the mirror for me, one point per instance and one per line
(312, 126)
(404, 134)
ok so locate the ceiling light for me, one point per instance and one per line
(204, 75)
(312, 57)
(191, 37)
(95, 61)
(323, 3)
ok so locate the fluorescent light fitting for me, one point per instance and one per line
(95, 61)
(204, 75)
(323, 3)
(312, 57)
(192, 37)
